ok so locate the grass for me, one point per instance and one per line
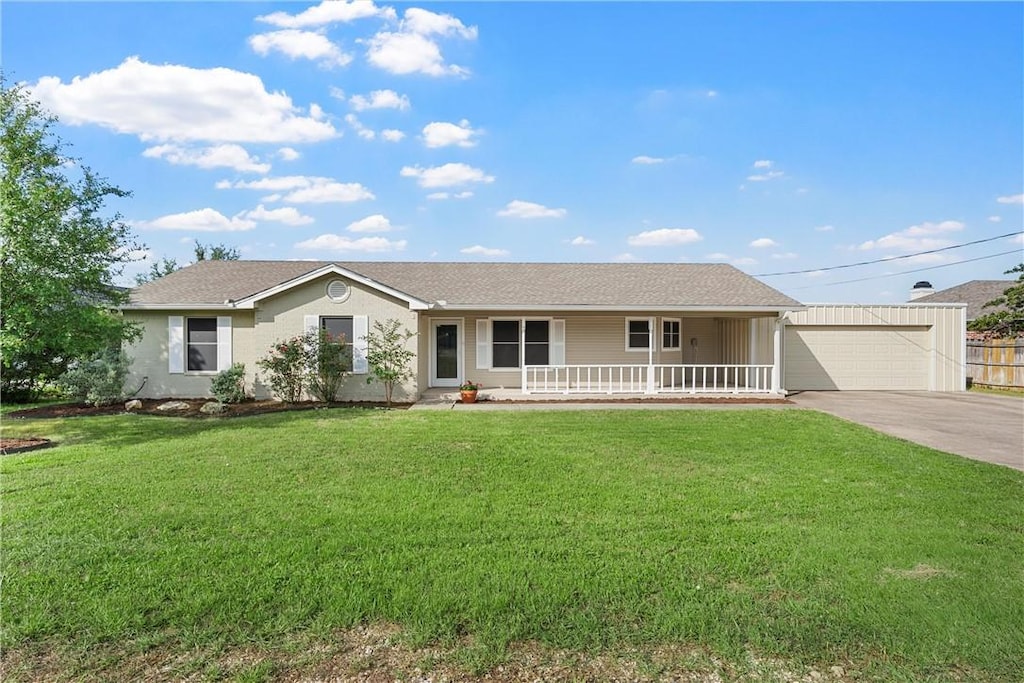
(786, 533)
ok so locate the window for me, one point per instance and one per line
(340, 326)
(201, 345)
(638, 334)
(505, 344)
(670, 334)
(537, 339)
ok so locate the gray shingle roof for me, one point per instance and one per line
(485, 284)
(975, 294)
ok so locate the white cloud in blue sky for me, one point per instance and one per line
(334, 122)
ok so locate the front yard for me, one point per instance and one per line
(756, 543)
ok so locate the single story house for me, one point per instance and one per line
(587, 328)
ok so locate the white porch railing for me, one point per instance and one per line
(647, 379)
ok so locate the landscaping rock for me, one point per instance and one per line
(212, 408)
(134, 404)
(172, 405)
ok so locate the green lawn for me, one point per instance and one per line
(784, 533)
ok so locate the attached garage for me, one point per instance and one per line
(910, 347)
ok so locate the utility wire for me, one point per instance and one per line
(905, 272)
(891, 258)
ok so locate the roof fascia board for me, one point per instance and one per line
(178, 307)
(906, 304)
(617, 309)
(250, 301)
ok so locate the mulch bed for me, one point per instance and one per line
(8, 445)
(666, 401)
(149, 407)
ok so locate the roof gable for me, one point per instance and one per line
(975, 293)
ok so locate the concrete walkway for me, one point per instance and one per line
(980, 426)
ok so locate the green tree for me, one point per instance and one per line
(59, 252)
(203, 252)
(389, 358)
(1010, 320)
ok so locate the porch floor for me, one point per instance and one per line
(515, 399)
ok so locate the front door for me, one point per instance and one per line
(446, 353)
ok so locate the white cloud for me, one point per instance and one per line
(375, 223)
(171, 102)
(329, 192)
(744, 261)
(446, 195)
(288, 215)
(304, 189)
(580, 241)
(296, 44)
(814, 273)
(413, 48)
(336, 92)
(717, 256)
(202, 220)
(219, 156)
(443, 134)
(763, 163)
(328, 12)
(271, 198)
(288, 154)
(995, 219)
(785, 255)
(711, 94)
(392, 135)
(520, 209)
(763, 242)
(1011, 199)
(428, 23)
(1017, 239)
(448, 175)
(379, 99)
(331, 242)
(361, 130)
(664, 237)
(626, 257)
(644, 159)
(477, 250)
(824, 228)
(761, 177)
(916, 237)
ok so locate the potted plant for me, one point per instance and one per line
(468, 390)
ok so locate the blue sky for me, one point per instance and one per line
(777, 137)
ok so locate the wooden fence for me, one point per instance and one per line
(996, 362)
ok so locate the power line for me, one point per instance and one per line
(891, 258)
(905, 272)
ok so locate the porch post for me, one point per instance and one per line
(650, 355)
(777, 360)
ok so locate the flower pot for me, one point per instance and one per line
(468, 396)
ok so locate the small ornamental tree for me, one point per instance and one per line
(1009, 321)
(285, 367)
(329, 363)
(389, 359)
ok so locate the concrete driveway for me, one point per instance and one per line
(979, 426)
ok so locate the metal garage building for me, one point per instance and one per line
(878, 347)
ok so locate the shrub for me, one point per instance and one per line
(99, 380)
(387, 355)
(228, 386)
(330, 361)
(285, 367)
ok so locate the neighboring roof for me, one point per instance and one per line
(481, 285)
(975, 294)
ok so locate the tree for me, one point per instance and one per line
(1010, 320)
(387, 355)
(59, 253)
(203, 252)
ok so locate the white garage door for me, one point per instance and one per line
(855, 357)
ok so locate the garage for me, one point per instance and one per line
(857, 357)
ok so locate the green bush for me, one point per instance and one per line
(330, 361)
(285, 368)
(99, 380)
(228, 386)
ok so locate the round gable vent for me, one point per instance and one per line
(338, 290)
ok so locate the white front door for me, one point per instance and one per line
(446, 353)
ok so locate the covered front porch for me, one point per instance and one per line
(601, 354)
